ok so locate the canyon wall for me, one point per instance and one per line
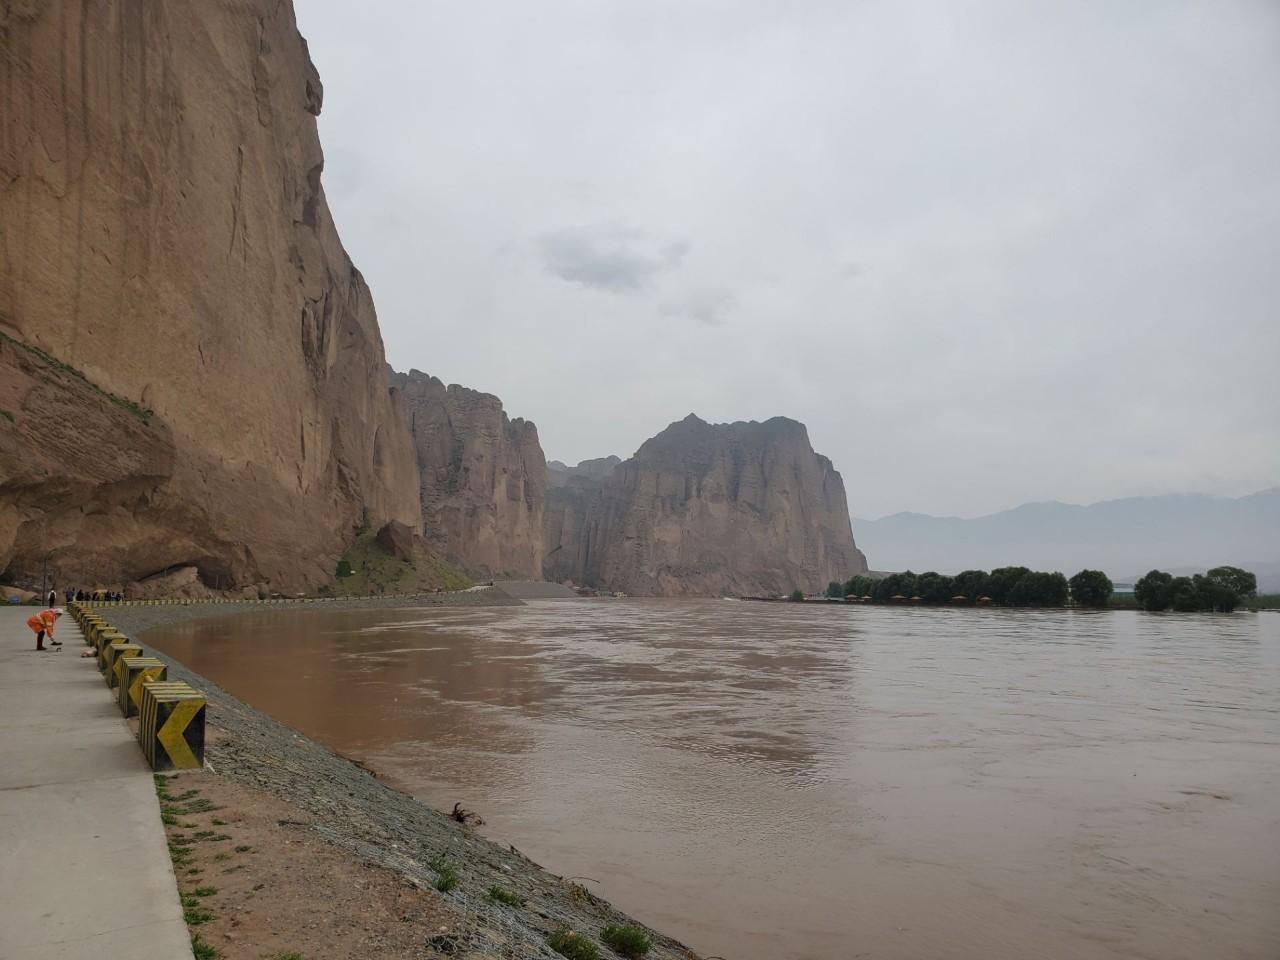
(483, 478)
(705, 510)
(191, 373)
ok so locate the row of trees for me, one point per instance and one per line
(1015, 586)
(1221, 589)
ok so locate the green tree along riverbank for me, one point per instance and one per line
(1222, 589)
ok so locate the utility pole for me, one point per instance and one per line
(44, 580)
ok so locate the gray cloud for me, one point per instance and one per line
(607, 256)
(707, 305)
(989, 252)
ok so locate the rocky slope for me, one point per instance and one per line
(192, 374)
(483, 478)
(702, 509)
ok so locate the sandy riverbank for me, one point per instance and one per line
(341, 805)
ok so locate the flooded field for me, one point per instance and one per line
(776, 782)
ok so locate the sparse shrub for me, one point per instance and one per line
(502, 895)
(195, 916)
(797, 596)
(344, 569)
(446, 873)
(205, 891)
(180, 855)
(627, 941)
(203, 951)
(569, 944)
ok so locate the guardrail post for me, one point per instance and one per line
(122, 652)
(172, 725)
(112, 652)
(134, 672)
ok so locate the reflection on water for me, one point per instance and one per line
(775, 781)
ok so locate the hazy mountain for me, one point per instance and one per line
(1122, 537)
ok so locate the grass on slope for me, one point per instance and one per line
(375, 571)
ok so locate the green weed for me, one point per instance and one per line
(568, 944)
(203, 951)
(446, 873)
(502, 895)
(627, 941)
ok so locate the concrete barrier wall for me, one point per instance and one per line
(171, 714)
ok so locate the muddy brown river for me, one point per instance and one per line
(777, 782)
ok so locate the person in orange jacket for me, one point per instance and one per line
(42, 623)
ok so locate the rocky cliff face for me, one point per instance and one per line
(192, 374)
(483, 478)
(560, 474)
(702, 509)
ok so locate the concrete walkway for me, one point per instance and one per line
(84, 867)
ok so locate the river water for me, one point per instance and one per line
(786, 782)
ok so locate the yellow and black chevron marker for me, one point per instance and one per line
(105, 639)
(121, 653)
(111, 653)
(172, 728)
(92, 627)
(134, 672)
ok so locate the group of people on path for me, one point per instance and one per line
(83, 595)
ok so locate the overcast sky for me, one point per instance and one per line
(987, 252)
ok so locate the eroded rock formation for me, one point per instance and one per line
(193, 375)
(483, 478)
(703, 509)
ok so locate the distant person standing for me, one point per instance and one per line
(53, 597)
(42, 623)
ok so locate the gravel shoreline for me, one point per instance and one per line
(356, 811)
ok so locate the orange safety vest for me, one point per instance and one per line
(43, 621)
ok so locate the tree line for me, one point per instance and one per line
(1014, 586)
(1222, 588)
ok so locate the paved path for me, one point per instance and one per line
(84, 868)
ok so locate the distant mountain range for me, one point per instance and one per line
(1126, 538)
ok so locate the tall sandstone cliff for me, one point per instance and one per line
(165, 246)
(483, 478)
(703, 509)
